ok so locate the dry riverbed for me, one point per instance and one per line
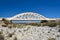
(30, 33)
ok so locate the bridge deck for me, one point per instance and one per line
(32, 19)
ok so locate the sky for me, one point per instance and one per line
(47, 8)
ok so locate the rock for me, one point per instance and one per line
(31, 33)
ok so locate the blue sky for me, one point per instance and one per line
(48, 8)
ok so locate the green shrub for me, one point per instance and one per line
(4, 25)
(10, 34)
(59, 30)
(1, 32)
(48, 31)
(44, 21)
(14, 25)
(58, 35)
(1, 37)
(51, 39)
(9, 26)
(15, 38)
(58, 22)
(51, 24)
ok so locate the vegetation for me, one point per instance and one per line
(15, 38)
(6, 22)
(10, 34)
(52, 24)
(42, 23)
(51, 39)
(58, 35)
(1, 36)
(58, 22)
(59, 30)
(1, 32)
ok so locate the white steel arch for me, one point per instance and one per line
(28, 16)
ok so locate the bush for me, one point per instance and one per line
(51, 39)
(10, 34)
(4, 25)
(9, 26)
(44, 21)
(1, 32)
(58, 35)
(1, 37)
(58, 22)
(59, 30)
(15, 38)
(52, 24)
(14, 25)
(6, 21)
(48, 31)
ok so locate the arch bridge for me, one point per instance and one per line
(28, 16)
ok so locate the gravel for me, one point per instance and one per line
(30, 33)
